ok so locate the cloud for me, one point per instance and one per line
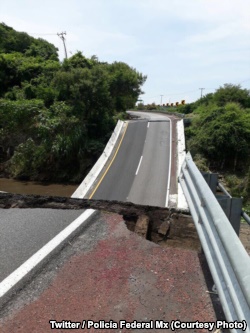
(180, 45)
(196, 10)
(213, 35)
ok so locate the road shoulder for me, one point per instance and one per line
(109, 273)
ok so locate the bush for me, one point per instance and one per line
(221, 134)
(186, 109)
(201, 163)
(27, 160)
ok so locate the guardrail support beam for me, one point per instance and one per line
(232, 207)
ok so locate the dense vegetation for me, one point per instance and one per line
(55, 118)
(219, 135)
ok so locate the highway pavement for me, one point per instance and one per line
(138, 174)
(140, 170)
(119, 179)
(25, 231)
(151, 182)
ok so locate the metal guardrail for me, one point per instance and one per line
(228, 260)
(243, 214)
(222, 188)
(246, 217)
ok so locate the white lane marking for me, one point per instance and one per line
(170, 159)
(138, 166)
(148, 124)
(16, 276)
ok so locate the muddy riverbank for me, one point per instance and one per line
(41, 188)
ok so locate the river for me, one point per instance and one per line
(29, 187)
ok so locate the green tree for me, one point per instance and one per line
(232, 93)
(78, 61)
(17, 68)
(58, 117)
(14, 41)
(221, 134)
(125, 85)
(41, 48)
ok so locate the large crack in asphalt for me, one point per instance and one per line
(164, 226)
(168, 227)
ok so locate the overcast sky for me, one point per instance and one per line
(181, 45)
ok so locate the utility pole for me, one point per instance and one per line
(201, 89)
(161, 98)
(61, 35)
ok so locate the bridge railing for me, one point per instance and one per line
(228, 260)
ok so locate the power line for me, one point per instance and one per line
(190, 91)
(31, 33)
(181, 93)
(173, 94)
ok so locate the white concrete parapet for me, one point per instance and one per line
(88, 181)
(181, 154)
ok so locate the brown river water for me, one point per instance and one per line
(29, 187)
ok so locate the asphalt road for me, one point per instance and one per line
(25, 231)
(139, 174)
(140, 170)
(119, 179)
(151, 182)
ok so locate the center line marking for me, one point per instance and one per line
(148, 124)
(138, 166)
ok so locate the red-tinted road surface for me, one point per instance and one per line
(109, 273)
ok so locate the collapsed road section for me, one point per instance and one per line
(110, 273)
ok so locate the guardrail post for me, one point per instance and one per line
(212, 180)
(232, 207)
(235, 214)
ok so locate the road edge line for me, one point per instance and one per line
(26, 271)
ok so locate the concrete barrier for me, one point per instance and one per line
(181, 154)
(88, 181)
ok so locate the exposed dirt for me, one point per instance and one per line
(173, 230)
(141, 226)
